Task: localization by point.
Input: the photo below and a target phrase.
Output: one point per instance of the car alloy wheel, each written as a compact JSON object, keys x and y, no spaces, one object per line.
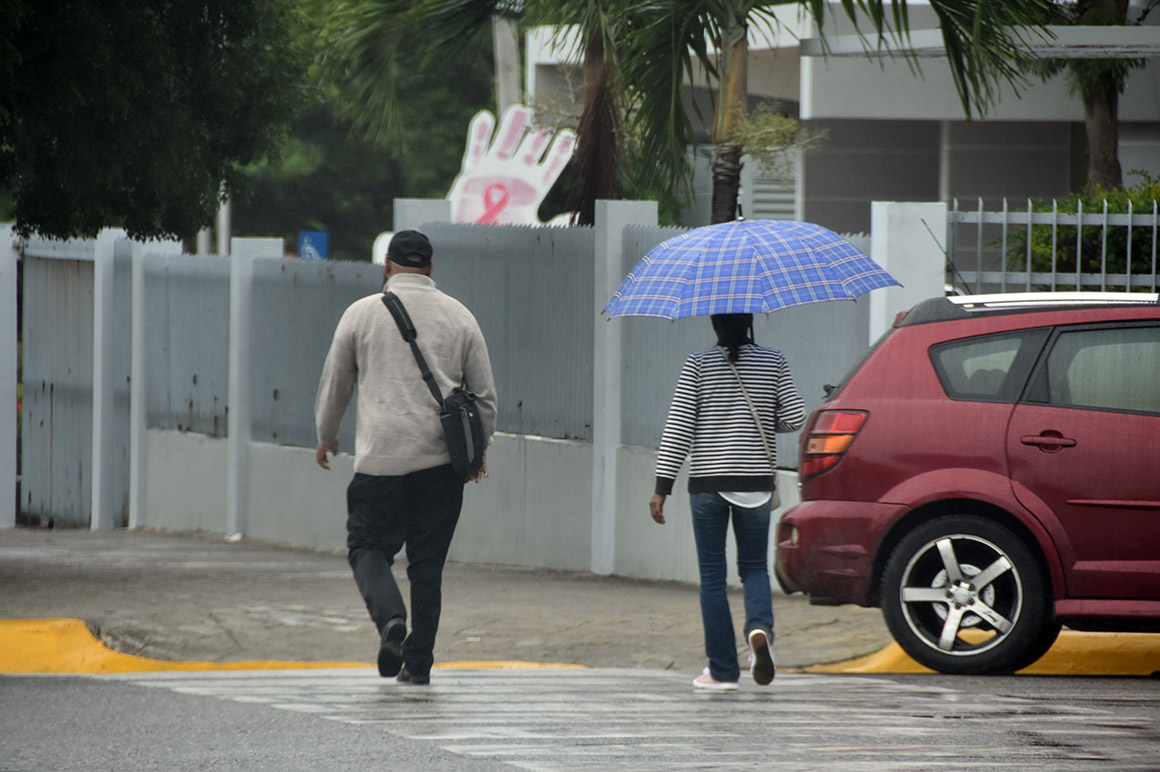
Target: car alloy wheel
{"x":962,"y":594}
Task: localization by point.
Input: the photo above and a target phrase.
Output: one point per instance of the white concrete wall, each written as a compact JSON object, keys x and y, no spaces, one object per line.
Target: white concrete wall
{"x":184,"y":482}
{"x":539,"y":508}
{"x":909,"y":243}
{"x":645,"y":550}
{"x":533,"y":511}
{"x":292,"y":500}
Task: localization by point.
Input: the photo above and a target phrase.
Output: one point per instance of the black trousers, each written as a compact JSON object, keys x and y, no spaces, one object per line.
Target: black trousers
{"x":384,"y":514}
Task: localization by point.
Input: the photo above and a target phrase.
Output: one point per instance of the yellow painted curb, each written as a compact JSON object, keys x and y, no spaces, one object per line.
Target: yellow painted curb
{"x":508,"y":664}
{"x":1075,"y":653}
{"x":68,"y":646}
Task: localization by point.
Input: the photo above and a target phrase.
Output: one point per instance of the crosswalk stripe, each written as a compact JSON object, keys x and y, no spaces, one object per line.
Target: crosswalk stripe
{"x":571,"y":719}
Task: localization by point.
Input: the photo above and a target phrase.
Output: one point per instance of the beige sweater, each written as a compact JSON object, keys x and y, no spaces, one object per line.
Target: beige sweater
{"x":398,"y":429}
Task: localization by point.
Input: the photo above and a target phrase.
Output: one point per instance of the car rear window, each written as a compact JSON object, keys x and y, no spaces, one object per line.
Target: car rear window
{"x":988,"y":368}
{"x":1110,"y":369}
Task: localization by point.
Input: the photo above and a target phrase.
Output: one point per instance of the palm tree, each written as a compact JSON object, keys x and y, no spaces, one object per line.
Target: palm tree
{"x":1099,"y":83}
{"x":981,"y":46}
{"x":597,"y":159}
{"x":367,"y":42}
{"x":637,"y":56}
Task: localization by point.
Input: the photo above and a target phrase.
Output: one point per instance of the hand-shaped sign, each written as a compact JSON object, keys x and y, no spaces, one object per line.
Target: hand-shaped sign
{"x":504,"y":179}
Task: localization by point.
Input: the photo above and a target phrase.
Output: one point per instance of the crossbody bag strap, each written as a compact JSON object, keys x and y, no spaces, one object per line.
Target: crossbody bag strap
{"x":407,"y":328}
{"x":753,"y":410}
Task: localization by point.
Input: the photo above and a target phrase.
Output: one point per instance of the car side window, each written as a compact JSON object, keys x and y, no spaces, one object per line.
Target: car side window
{"x":989,"y":368}
{"x":1106,"y":369}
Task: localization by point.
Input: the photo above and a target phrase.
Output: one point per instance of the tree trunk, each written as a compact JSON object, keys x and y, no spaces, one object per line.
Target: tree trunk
{"x":734,"y":80}
{"x":726,"y":168}
{"x":595,"y":164}
{"x":1101,"y":119}
{"x":726,"y":160}
{"x":1101,"y":101}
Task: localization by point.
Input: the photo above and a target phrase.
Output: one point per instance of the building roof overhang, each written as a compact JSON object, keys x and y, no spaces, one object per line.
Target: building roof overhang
{"x":1052,"y":42}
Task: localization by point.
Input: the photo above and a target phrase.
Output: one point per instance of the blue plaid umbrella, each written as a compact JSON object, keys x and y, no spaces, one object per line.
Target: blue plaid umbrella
{"x":746,"y":266}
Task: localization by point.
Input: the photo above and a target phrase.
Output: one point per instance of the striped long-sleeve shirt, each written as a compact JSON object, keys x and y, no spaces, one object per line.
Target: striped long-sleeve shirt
{"x":710,"y":421}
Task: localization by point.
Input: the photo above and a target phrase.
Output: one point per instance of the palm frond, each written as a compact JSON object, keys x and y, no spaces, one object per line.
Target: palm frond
{"x":362,"y":55}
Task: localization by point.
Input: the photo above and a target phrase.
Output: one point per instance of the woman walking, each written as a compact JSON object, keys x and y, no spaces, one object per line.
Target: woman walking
{"x":729,"y":401}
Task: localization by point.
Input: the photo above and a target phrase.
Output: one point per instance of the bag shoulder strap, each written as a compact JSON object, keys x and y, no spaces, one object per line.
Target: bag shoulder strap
{"x":407,"y":328}
{"x":753,"y":410}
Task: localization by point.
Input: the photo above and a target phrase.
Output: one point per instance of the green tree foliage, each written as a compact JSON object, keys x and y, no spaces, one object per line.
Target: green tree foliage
{"x":344,"y":164}
{"x":1059,"y":250}
{"x":135,"y":112}
{"x":381,"y":67}
{"x":324,"y":180}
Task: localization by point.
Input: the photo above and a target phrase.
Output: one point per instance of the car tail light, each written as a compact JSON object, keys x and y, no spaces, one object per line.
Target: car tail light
{"x":830,"y":436}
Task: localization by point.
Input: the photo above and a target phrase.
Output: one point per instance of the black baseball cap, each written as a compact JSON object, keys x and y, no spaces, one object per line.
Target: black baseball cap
{"x":410,"y":248}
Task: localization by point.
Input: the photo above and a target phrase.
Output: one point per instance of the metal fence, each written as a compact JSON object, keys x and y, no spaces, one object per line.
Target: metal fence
{"x":532,"y":290}
{"x":57,"y":368}
{"x":1023,"y":250}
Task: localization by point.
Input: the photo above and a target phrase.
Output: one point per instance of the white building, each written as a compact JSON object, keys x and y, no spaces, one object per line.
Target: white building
{"x":892,"y":134}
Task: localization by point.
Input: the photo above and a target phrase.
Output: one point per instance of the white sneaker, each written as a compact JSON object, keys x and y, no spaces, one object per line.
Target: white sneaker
{"x":707,"y":683}
{"x":761,"y":665}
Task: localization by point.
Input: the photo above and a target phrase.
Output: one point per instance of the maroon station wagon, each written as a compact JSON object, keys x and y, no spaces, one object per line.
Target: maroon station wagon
{"x":989,"y":472}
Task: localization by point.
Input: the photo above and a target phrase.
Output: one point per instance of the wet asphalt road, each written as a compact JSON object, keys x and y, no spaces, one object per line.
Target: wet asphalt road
{"x":189,"y":598}
{"x":565,"y":720}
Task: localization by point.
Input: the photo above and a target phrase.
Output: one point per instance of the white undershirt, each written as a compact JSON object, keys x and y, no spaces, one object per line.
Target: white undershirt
{"x":747,"y":499}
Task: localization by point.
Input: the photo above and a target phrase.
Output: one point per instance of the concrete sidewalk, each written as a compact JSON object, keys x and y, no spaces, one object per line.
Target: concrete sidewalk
{"x":202,"y":601}
{"x":186,"y":597}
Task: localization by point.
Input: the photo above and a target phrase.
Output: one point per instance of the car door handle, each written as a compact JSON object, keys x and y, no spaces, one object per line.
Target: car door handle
{"x":1048,"y":442}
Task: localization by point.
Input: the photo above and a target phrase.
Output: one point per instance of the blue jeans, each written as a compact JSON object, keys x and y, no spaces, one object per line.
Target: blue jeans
{"x":711,"y":516}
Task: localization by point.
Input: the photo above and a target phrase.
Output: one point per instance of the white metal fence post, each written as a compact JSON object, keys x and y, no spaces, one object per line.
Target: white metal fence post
{"x":607,"y":368}
{"x":9,"y":419}
{"x":104,"y":468}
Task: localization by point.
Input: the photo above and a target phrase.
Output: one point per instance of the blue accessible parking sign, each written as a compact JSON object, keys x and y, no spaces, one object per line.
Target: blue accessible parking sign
{"x":313,"y":245}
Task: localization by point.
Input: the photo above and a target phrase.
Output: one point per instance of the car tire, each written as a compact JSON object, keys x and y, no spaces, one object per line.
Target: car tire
{"x":1039,"y":646}
{"x":964,"y":595}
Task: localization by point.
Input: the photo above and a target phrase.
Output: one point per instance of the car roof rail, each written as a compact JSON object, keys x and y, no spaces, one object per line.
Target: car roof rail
{"x":1048,"y":299}
{"x":942,"y":309}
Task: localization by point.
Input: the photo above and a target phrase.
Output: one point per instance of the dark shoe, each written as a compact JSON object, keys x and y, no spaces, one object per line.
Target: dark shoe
{"x":761,"y":665}
{"x":407,"y":677}
{"x":391,"y":647}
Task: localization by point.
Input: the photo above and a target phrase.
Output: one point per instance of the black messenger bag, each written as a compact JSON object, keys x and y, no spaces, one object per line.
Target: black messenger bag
{"x":462,"y":428}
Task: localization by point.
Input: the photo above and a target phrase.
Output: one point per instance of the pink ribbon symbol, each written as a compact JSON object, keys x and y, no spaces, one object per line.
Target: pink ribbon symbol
{"x":495,"y":200}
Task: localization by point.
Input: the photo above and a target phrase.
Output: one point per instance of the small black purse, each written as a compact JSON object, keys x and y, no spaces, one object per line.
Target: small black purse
{"x":462,"y":428}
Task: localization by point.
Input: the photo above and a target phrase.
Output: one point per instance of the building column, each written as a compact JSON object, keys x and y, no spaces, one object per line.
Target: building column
{"x":105,"y":469}
{"x":908,"y":241}
{"x":242,"y":255}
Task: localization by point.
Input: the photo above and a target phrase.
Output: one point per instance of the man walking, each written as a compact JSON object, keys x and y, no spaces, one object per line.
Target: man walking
{"x":404,"y":491}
